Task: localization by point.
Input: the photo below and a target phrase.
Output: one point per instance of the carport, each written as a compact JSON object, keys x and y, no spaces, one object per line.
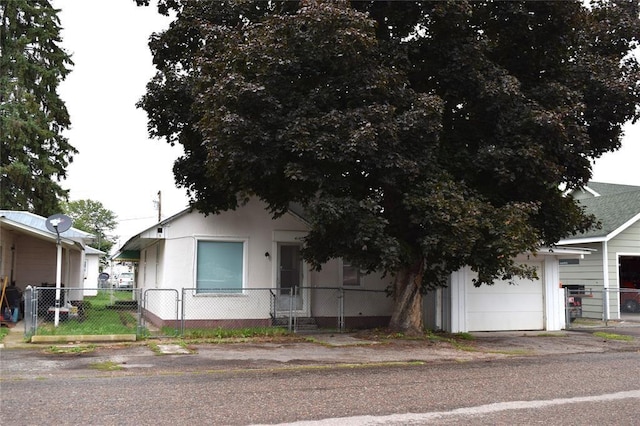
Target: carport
{"x":28,"y":252}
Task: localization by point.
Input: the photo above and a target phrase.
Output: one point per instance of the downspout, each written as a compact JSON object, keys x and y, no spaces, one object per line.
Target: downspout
{"x":605,"y":280}
{"x":13,"y":260}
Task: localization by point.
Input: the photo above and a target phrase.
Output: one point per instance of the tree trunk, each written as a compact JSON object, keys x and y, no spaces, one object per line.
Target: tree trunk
{"x":407,"y":308}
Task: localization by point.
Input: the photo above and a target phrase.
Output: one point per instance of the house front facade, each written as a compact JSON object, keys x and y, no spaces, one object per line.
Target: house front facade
{"x":244,"y":268}
{"x":615,"y":261}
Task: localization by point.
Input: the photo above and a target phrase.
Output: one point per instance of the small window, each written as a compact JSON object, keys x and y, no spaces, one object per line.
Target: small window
{"x":219,"y":267}
{"x":569,"y":261}
{"x":351,"y":275}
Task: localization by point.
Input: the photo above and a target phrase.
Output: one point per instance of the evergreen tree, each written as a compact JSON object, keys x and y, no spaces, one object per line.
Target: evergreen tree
{"x":33,"y":153}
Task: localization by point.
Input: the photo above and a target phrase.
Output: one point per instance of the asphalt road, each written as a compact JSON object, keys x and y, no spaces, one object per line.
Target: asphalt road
{"x":574,"y":389}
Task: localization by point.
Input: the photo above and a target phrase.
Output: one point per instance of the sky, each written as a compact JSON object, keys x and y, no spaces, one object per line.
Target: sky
{"x":118,"y":164}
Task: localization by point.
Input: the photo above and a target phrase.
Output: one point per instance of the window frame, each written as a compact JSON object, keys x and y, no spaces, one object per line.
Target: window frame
{"x":359,"y":275}
{"x":243,"y":277}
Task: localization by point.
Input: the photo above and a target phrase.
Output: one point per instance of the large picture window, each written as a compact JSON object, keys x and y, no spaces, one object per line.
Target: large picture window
{"x":220,"y":267}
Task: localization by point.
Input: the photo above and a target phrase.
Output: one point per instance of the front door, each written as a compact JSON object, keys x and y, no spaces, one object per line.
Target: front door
{"x":290,"y":277}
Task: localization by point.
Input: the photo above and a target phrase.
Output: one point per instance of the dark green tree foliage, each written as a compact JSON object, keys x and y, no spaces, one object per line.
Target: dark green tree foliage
{"x":92,"y":217}
{"x":419,"y":136}
{"x":33,"y":153}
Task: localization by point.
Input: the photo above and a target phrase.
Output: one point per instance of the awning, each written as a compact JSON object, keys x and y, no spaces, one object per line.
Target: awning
{"x":127,"y":256}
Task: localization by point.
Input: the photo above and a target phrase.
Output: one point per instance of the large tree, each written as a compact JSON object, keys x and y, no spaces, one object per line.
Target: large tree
{"x":33,"y":153}
{"x":419,"y":136}
{"x":93,"y":217}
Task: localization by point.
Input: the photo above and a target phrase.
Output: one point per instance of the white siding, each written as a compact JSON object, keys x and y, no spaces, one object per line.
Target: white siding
{"x":176,"y":269}
{"x":505,"y":306}
{"x":528,"y":305}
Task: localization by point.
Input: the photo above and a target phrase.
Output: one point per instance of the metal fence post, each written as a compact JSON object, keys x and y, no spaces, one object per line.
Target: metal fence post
{"x":182,"y":314}
{"x":140,"y":299}
{"x":567,"y":312}
{"x":291,"y":296}
{"x":605,"y":311}
{"x":341,"y":324}
{"x":30,"y":310}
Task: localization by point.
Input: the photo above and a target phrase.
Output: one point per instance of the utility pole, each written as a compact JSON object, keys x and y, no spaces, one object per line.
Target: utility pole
{"x":159,"y":206}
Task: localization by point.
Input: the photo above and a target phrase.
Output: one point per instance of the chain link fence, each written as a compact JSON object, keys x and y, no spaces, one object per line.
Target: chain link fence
{"x":592,"y":305}
{"x":190,"y":311}
{"x":81,"y":311}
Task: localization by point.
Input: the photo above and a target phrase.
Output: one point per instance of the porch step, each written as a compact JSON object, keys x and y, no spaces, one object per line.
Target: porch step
{"x":302,"y":323}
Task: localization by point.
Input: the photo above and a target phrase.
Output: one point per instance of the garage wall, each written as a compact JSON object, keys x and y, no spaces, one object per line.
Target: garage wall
{"x":506,"y":306}
{"x":524,"y":305}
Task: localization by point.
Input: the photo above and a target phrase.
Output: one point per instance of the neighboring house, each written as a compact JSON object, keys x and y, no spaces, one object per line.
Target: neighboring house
{"x":241,"y":268}
{"x":91,"y":270}
{"x":28,"y":253}
{"x":615,"y":261}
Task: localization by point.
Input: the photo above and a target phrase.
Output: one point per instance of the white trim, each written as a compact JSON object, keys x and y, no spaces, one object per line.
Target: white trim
{"x":605,"y":278}
{"x":583,"y":240}
{"x":562,"y":251}
{"x":622,"y":228}
{"x":289,"y":236}
{"x":360,"y":275}
{"x":458,"y":301}
{"x":245,"y":258}
{"x":594,"y":193}
{"x":605,"y":238}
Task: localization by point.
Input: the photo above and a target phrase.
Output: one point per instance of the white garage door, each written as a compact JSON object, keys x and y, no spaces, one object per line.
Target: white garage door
{"x":505,"y":306}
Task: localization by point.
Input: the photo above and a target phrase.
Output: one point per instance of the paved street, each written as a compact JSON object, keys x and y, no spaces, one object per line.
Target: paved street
{"x":596,"y":383}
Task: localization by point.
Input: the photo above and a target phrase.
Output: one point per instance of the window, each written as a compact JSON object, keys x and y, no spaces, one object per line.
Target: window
{"x":350,"y":275}
{"x":219,"y":267}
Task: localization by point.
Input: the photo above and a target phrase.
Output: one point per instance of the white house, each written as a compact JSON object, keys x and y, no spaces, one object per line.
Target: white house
{"x":243,"y":268}
{"x":91,"y":270}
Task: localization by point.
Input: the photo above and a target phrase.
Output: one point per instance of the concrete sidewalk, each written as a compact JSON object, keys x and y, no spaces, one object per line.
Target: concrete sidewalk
{"x":364,"y":346}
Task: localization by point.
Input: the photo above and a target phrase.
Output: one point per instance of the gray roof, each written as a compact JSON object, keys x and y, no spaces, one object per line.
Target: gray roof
{"x":613,"y":210}
{"x":91,"y":250}
{"x":611,"y":188}
{"x":38,"y":222}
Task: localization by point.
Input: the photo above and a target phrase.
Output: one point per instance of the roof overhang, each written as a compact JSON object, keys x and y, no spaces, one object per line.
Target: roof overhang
{"x":558,"y":251}
{"x":36,"y":233}
{"x":126,"y":256}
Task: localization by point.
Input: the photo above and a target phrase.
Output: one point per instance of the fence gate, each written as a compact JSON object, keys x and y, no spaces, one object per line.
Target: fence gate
{"x":602,"y":307}
{"x":160,"y":313}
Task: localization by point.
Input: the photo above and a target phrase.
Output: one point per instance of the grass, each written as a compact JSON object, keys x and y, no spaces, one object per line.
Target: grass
{"x":613,"y":336}
{"x":106,"y":366}
{"x":243,"y":333}
{"x":99,"y":318}
{"x":71,"y":350}
{"x":3,"y":332}
{"x":551,"y":335}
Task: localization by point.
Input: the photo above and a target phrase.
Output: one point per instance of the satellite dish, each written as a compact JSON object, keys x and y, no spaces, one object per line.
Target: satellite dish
{"x":58,"y":223}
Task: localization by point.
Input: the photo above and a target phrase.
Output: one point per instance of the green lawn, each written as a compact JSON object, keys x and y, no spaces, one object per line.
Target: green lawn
{"x":99,"y":317}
